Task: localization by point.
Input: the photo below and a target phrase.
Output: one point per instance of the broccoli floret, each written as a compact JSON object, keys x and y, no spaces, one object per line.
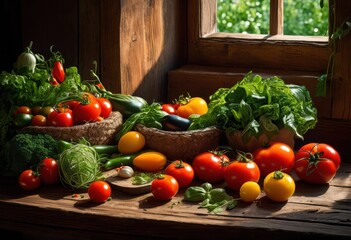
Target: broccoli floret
{"x":27,"y":150}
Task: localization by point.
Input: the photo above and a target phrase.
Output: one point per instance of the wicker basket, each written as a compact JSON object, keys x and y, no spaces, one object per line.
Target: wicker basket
{"x":235,"y":141}
{"x":103,"y":132}
{"x":182,"y":145}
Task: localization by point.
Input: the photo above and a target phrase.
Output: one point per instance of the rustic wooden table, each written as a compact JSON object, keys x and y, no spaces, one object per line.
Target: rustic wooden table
{"x":314,"y":212}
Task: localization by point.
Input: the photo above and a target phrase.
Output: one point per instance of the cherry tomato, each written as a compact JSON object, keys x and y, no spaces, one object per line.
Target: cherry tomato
{"x":317,"y":163}
{"x":99,"y":191}
{"x":210,"y":166}
{"x":58,"y":71}
{"x":87,"y":111}
{"x":24,"y":110}
{"x":181,"y":171}
{"x":29,"y":180}
{"x":164,"y":188}
{"x":22,"y":119}
{"x":106,"y":107}
{"x":277,"y":156}
{"x":36,"y":110}
{"x":38,"y":120}
{"x":240,"y":171}
{"x":131,"y":142}
{"x":168,"y":108}
{"x":195,"y":105}
{"x":49,"y":172}
{"x":45,"y":111}
{"x":279,"y":186}
{"x":249,"y":191}
{"x":61,"y":117}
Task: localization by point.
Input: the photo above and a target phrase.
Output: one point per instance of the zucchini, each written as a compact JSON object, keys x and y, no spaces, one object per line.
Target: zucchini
{"x":105,"y":149}
{"x":100,"y":149}
{"x":120,"y":160}
{"x":123,"y":103}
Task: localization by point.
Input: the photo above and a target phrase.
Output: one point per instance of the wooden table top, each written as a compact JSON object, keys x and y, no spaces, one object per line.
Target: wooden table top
{"x":313,"y":212}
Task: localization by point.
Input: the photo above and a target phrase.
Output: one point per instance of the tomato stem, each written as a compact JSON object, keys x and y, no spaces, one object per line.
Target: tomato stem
{"x":278,"y":175}
{"x":244,"y":157}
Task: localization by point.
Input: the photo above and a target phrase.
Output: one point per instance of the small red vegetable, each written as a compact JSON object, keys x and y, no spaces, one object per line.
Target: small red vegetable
{"x":210,"y":166}
{"x":29,"y":180}
{"x":49,"y":173}
{"x":164,"y":188}
{"x":99,"y":191}
{"x":181,"y":171}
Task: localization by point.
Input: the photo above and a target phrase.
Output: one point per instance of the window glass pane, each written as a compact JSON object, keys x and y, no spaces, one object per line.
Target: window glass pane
{"x":243,"y":16}
{"x":305,"y":17}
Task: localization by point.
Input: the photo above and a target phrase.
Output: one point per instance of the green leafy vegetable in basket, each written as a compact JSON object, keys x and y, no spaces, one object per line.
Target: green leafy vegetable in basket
{"x":257,"y":106}
{"x":149,"y":116}
{"x":79,"y":166}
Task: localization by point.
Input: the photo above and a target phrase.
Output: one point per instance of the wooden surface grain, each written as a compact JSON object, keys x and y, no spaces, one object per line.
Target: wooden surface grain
{"x":314,"y":211}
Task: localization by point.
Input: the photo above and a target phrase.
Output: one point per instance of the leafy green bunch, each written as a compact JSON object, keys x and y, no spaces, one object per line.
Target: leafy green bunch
{"x":257,"y":106}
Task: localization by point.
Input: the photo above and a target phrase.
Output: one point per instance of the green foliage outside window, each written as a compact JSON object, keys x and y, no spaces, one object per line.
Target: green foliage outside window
{"x":301,"y":17}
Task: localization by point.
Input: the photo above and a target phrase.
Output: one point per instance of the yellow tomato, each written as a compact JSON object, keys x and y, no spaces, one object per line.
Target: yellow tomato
{"x":249,"y":191}
{"x":150,"y":161}
{"x":279,"y":186}
{"x":195,"y":105}
{"x":131,"y":142}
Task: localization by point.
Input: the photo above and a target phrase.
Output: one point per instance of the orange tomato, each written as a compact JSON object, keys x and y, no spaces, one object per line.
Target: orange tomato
{"x":195,"y":105}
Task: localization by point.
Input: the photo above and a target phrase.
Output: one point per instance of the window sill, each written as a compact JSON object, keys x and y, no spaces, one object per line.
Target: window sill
{"x":269,"y":39}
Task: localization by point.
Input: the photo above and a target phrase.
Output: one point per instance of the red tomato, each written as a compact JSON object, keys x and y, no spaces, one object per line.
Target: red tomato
{"x":316,"y":163}
{"x":106,"y":107}
{"x":58,"y":72}
{"x":210,"y":166}
{"x":29,"y":180}
{"x":48,"y":170}
{"x":38,"y":120}
{"x":181,"y":171}
{"x":164,"y":188}
{"x":61,"y":117}
{"x":168,"y":108}
{"x":240,"y":171}
{"x":23,"y":109}
{"x":99,"y":191}
{"x":276,"y":157}
{"x":87,"y":111}
{"x":70,"y":104}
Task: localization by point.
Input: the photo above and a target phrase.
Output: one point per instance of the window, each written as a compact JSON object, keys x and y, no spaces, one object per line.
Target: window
{"x":288,"y":17}
{"x":207,"y":46}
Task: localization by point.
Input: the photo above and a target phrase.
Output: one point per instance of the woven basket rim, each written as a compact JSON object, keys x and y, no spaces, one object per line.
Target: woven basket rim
{"x":95,"y":132}
{"x":161,"y":131}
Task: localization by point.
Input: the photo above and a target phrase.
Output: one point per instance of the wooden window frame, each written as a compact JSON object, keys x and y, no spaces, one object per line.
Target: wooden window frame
{"x":209,"y":47}
{"x":276,"y":17}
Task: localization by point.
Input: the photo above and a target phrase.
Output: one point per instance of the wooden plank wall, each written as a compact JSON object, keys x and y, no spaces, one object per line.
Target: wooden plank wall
{"x":152,"y":42}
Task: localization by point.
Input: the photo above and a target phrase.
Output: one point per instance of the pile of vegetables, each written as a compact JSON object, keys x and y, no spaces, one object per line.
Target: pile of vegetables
{"x":254,"y":106}
{"x":37,"y":83}
{"x":257,"y":106}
